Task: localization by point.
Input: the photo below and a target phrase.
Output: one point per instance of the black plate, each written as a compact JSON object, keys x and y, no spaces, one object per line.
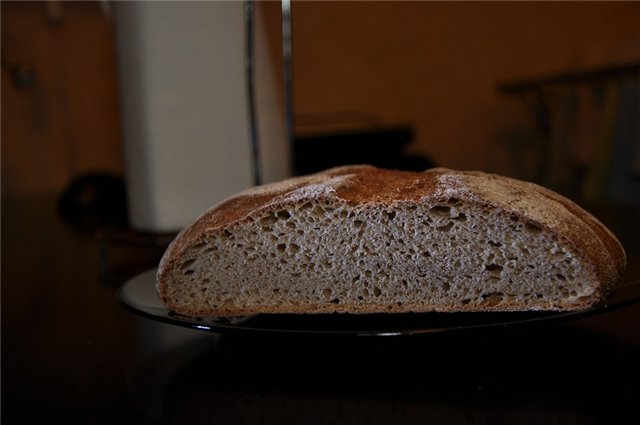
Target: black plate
{"x":139,"y":296}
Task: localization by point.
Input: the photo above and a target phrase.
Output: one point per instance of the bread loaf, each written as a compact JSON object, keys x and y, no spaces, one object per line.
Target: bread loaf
{"x":360,"y":239}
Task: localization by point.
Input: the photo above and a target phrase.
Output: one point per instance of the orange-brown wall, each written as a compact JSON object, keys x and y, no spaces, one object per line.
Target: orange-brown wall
{"x":66,"y":123}
{"x":436,"y":65}
{"x":432,"y":65}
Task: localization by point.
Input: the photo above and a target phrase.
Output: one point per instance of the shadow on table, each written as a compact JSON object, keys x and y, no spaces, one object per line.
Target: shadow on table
{"x":560,"y":374}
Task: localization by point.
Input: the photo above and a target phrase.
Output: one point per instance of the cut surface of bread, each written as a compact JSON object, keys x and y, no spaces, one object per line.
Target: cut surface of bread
{"x":360,"y":239}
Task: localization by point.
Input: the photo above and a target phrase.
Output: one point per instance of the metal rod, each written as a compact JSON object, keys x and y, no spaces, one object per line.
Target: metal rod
{"x":287,"y":76}
{"x":251,"y":96}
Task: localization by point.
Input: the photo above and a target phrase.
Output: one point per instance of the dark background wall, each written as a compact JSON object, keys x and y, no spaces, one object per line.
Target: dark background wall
{"x":433,"y":66}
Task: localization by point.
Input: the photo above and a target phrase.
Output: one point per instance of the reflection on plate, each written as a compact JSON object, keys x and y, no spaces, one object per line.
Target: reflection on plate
{"x":139,"y":296}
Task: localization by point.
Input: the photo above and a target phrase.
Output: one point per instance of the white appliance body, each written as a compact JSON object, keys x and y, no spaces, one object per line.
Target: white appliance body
{"x":185,"y":112}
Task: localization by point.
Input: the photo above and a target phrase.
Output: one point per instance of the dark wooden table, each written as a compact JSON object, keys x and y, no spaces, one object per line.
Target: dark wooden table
{"x":71,"y":354}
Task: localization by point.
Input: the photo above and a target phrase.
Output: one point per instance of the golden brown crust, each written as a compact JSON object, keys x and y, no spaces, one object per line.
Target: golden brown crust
{"x":365,"y":185}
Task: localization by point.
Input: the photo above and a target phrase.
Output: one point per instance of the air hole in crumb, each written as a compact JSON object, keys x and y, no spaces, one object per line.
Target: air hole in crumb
{"x":461,"y":217}
{"x":532,"y":228}
{"x":493,"y":298}
{"x":294,"y":248}
{"x":358,"y":223}
{"x":189,"y":272}
{"x":466,"y":301}
{"x":187,"y":264}
{"x":453,"y":201}
{"x":326,"y":292}
{"x":199,"y":245}
{"x":493,"y":268}
{"x":391,"y":215}
{"x":377,"y":292}
{"x":281,"y":247}
{"x":335,"y":301}
{"x":440,"y":210}
{"x":268,"y":220}
{"x":561,"y":277}
{"x":496,"y":244}
{"x":284,"y":214}
{"x":446,"y":227}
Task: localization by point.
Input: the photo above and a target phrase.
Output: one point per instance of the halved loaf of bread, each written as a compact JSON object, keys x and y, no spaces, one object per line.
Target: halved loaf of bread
{"x":360,"y":239}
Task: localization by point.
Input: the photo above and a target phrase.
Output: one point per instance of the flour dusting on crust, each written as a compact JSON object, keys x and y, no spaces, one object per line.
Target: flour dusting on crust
{"x":452,"y":186}
{"x":315,"y":190}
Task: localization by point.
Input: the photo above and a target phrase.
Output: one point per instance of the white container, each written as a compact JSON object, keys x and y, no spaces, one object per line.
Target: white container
{"x":184,"y":107}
